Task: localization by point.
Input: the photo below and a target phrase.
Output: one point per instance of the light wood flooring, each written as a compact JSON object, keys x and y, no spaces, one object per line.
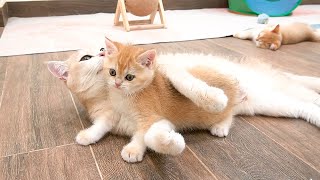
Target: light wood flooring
{"x":39,"y":120}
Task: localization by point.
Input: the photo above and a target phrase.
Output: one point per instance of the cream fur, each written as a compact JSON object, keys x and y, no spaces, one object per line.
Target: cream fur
{"x":268,"y":92}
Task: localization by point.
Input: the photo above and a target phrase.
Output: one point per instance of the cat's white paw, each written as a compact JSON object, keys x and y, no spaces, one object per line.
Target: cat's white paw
{"x":220,"y":130}
{"x":164,"y":141}
{"x":86,"y":137}
{"x":213,"y":100}
{"x":132,"y":153}
{"x":235,"y":35}
{"x":274,"y":47}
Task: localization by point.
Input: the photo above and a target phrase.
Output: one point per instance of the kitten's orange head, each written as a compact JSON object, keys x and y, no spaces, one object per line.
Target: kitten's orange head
{"x":128,"y":68}
{"x":80,"y":72}
{"x":269,"y":38}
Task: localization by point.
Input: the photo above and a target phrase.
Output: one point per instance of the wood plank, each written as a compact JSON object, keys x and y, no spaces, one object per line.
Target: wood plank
{"x":58,"y":8}
{"x":75,"y":7}
{"x":297,"y":136}
{"x":248,"y":154}
{"x":1,"y":31}
{"x":28,"y":9}
{"x":308,"y":51}
{"x":279,"y":59}
{"x":3,"y":67}
{"x":4,"y":15}
{"x":153,"y":166}
{"x":34,"y":115}
{"x":191,"y":4}
{"x":67,"y":162}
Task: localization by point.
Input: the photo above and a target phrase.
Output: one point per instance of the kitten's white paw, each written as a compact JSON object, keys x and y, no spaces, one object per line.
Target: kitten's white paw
{"x":220,"y":130}
{"x":273,"y":47}
{"x":132,"y":153}
{"x":213,"y":100}
{"x":86,"y":137}
{"x":164,"y":141}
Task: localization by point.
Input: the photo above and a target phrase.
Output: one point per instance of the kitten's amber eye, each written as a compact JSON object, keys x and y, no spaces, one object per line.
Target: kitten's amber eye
{"x":112,"y":72}
{"x":130,"y":77}
{"x":86,"y":57}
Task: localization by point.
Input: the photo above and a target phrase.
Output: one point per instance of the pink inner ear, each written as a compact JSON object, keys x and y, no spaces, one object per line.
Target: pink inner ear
{"x":58,"y":69}
{"x":110,"y":47}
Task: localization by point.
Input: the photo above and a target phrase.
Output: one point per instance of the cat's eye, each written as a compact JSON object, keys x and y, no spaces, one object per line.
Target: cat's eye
{"x":130,"y":77}
{"x":112,"y":72}
{"x":102,"y":49}
{"x":86,"y":57}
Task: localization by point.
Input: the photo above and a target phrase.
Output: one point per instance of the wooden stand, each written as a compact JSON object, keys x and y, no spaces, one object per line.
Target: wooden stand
{"x":139,"y":24}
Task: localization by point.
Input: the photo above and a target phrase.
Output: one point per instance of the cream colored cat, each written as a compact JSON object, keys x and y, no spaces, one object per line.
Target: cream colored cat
{"x":269,"y":92}
{"x":273,"y":36}
{"x":82,"y":75}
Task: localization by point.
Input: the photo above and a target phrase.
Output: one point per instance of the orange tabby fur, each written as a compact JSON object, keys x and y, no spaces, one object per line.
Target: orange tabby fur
{"x":157,"y":99}
{"x":272,"y":37}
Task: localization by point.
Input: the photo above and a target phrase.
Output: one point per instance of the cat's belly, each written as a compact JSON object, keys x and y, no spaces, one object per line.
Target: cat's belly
{"x":125,"y":126}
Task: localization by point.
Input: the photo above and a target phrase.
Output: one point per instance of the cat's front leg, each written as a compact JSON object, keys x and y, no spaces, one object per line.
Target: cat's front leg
{"x":94,"y":133}
{"x":246,"y":34}
{"x":134,"y":151}
{"x":210,"y":98}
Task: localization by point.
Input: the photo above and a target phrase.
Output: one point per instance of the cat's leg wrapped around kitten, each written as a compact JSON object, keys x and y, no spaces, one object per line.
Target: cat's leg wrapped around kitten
{"x":207,"y":97}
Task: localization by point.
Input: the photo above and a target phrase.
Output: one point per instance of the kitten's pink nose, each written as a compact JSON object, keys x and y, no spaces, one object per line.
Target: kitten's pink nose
{"x":118,"y":83}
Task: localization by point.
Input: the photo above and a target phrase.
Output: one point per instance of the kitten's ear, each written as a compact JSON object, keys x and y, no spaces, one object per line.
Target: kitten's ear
{"x":110,"y":47}
{"x":147,"y":58}
{"x":276,"y":29}
{"x":59,"y":69}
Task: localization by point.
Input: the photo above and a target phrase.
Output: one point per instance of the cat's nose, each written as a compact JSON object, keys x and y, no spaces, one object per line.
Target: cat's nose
{"x":117,"y":84}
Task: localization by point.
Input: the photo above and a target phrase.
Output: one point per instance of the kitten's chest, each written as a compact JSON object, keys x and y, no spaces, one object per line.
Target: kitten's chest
{"x":120,"y":103}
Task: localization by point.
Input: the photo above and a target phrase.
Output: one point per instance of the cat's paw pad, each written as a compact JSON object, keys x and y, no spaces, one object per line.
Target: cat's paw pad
{"x":220,"y":131}
{"x":132,"y":153}
{"x":214,"y":100}
{"x":166,"y":142}
{"x":85,"y":138}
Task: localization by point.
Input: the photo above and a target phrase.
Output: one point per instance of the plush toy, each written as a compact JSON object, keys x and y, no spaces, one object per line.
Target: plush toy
{"x":263,"y":19}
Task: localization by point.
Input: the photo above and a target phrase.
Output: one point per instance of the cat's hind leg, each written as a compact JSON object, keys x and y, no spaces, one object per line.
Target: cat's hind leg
{"x":281,"y":105}
{"x":210,"y":98}
{"x":307,"y":81}
{"x":162,"y":138}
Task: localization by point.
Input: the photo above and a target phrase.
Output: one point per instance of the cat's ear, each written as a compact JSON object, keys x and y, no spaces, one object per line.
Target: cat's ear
{"x":110,"y":47}
{"x":276,"y":29}
{"x":147,"y":58}
{"x":59,"y":69}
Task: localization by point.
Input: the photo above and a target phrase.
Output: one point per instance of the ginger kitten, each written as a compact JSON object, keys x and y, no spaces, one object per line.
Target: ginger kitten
{"x":272,"y":37}
{"x":144,"y":95}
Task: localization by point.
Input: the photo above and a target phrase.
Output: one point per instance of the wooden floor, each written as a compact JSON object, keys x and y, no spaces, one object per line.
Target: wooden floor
{"x":39,"y":119}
